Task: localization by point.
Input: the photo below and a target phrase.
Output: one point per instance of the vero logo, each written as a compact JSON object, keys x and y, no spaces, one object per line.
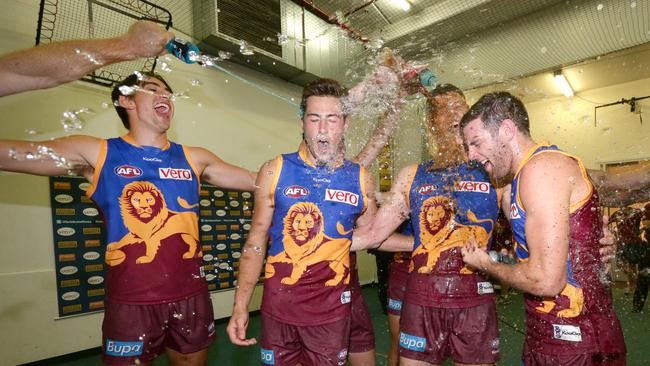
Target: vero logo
{"x":346,"y":197}
{"x":175,"y":174}
{"x":128,"y":171}
{"x":123,"y":349}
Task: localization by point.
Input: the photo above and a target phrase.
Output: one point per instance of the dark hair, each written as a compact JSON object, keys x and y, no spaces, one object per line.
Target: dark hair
{"x":444,"y":89}
{"x":131,"y":80}
{"x":495,"y":107}
{"x":321,"y":88}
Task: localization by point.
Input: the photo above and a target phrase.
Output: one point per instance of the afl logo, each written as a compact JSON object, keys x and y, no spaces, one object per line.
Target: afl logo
{"x":128,"y":171}
{"x":296,"y":191}
{"x":426,"y":188}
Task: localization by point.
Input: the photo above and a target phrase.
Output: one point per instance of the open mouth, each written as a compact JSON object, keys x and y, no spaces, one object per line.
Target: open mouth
{"x":323,"y":144}
{"x":162,"y":108}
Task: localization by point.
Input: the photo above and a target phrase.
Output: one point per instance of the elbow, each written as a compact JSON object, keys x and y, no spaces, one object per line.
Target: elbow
{"x":550,"y":287}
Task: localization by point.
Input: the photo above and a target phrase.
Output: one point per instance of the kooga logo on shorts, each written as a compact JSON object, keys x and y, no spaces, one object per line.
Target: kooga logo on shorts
{"x":412,"y":342}
{"x":123,"y":349}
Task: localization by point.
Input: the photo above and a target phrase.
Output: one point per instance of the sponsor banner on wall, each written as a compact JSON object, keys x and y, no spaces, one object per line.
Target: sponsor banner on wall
{"x":80,"y":241}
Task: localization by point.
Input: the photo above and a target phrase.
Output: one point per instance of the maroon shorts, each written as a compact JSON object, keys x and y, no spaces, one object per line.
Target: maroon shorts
{"x":467,"y":335}
{"x":140,"y":333}
{"x":397,"y":281}
{"x":362,"y":336}
{"x":288,"y":345}
{"x":532,"y":358}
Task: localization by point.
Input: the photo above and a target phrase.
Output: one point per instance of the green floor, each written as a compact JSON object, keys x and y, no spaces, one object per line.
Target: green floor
{"x":222,"y":353}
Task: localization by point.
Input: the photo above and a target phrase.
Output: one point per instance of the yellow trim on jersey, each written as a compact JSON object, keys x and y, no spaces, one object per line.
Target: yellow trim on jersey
{"x":131,"y":141}
{"x":362,"y":184}
{"x":99,"y":165}
{"x":191,"y":163}
{"x":276,"y":178}
{"x":302,"y":153}
{"x":414,"y":168}
{"x":527,"y":157}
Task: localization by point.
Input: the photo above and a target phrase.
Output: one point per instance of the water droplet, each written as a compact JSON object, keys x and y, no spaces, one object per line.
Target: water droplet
{"x":543,"y":49}
{"x":196,"y":82}
{"x":600,"y":7}
{"x":104,"y":105}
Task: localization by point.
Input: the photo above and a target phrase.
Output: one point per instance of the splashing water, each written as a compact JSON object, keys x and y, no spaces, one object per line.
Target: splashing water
{"x":244,"y":48}
{"x":282,"y":39}
{"x":42,"y":152}
{"x":71,"y":120}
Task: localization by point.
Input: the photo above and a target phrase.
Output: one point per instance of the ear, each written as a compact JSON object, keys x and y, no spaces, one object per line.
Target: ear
{"x":126,"y":102}
{"x":508,"y":129}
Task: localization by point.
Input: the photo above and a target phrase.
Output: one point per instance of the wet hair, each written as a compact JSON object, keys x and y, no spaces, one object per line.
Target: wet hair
{"x":495,"y":107}
{"x":131,"y":80}
{"x":444,"y":89}
{"x":321,"y":88}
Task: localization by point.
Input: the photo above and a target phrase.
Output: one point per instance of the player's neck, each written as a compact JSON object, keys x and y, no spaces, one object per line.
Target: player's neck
{"x":522,"y":148}
{"x":146,"y":138}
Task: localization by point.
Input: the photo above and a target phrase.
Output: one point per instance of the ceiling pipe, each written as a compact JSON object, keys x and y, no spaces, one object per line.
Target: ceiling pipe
{"x":332,"y":20}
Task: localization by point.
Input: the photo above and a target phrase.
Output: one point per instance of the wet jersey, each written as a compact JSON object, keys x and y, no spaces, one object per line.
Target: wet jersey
{"x":448,"y":206}
{"x":581,"y":316}
{"x":149,"y":200}
{"x":307,"y":270}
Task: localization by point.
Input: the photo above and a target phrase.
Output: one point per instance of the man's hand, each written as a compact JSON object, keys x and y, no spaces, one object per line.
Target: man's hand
{"x":607,"y":246}
{"x":474,"y":255}
{"x":147,"y":39}
{"x":237,"y":328}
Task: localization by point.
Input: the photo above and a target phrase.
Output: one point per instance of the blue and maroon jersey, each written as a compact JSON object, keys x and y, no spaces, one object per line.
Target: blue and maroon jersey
{"x":448,"y":206}
{"x":307,"y":271}
{"x":581,"y":318}
{"x":149,"y":200}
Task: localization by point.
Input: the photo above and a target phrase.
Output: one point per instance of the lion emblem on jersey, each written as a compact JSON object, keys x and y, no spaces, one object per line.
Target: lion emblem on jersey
{"x":439,"y":231}
{"x":305,"y":244}
{"x":146,"y":216}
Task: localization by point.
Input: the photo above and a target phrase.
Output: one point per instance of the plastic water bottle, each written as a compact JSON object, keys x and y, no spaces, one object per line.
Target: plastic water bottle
{"x":183,"y":50}
{"x":499,"y":257}
{"x":428,"y":79}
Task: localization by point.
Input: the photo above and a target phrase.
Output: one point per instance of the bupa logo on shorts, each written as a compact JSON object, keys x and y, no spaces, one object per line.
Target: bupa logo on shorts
{"x":395,"y":304}
{"x":346,"y":297}
{"x":514,"y":212}
{"x":123,"y":349}
{"x":296,"y":191}
{"x":470,"y":186}
{"x":337,"y":195}
{"x":267,"y":356}
{"x":128,"y":171}
{"x":427,"y":188}
{"x":211,"y":329}
{"x":412,"y":342}
{"x":175,"y":174}
{"x":569,"y":333}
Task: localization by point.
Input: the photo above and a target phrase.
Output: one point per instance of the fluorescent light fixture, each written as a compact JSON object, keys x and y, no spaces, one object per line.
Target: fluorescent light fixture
{"x":563,"y":84}
{"x":403,"y":4}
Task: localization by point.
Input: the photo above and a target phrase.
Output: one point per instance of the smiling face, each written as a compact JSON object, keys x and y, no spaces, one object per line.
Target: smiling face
{"x":323,"y":127}
{"x":487,"y":147}
{"x":150,"y":105}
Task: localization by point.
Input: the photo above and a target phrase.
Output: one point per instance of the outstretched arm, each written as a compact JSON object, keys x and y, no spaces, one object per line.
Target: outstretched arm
{"x":49,"y":65}
{"x":391,"y":214}
{"x":382,"y":133}
{"x":216,"y":171}
{"x":77,"y":154}
{"x":253,"y":254}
